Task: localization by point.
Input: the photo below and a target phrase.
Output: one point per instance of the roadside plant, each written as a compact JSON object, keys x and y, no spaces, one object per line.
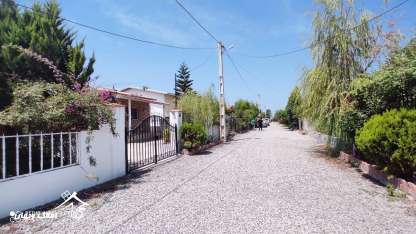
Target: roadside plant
{"x":200,"y":109}
{"x":388,"y":140}
{"x":294,"y":108}
{"x":393,"y":86}
{"x":244,"y":112}
{"x":339,"y":55}
{"x":281,"y":116}
{"x":193,"y":135}
{"x":51,"y":107}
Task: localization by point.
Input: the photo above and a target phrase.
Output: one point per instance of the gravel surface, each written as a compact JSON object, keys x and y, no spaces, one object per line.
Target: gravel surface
{"x":273,"y":181}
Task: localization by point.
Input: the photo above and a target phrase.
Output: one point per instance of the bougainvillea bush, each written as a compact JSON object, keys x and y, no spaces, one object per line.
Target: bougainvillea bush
{"x":53,"y":107}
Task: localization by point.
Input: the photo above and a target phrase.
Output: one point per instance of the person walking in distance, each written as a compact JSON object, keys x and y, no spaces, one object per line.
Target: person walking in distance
{"x":260,"y":123}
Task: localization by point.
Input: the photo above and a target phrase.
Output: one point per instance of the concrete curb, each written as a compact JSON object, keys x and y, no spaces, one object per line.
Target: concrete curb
{"x":199,"y":150}
{"x":371,"y":170}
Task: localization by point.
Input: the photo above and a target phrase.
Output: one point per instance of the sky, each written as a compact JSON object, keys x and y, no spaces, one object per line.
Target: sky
{"x":246,"y":27}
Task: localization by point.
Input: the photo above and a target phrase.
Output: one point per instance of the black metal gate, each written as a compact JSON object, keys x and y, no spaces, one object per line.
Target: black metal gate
{"x":154,"y":139}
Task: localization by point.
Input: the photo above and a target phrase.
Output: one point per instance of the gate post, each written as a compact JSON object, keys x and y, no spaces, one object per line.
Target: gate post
{"x":126,"y":149}
{"x":155,"y":138}
{"x":175,"y":119}
{"x":176,"y":139}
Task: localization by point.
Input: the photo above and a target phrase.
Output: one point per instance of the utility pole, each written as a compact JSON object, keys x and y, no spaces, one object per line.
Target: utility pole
{"x":223,"y":130}
{"x":176,"y":94}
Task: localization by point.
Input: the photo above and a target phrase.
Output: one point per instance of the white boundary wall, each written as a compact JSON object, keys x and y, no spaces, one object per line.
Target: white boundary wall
{"x":33,"y":190}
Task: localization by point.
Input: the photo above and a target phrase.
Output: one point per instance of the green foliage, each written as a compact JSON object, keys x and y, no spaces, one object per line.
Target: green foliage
{"x":391,"y":87}
{"x":193,"y":135}
{"x":200,"y":109}
{"x":39,"y":32}
{"x":351,"y":120}
{"x":50,"y":107}
{"x":244,"y":112}
{"x":166,"y":135}
{"x":340,"y":56}
{"x":294,"y":108}
{"x":388,"y":140}
{"x":390,"y":190}
{"x":281,"y":116}
{"x":268,"y":113}
{"x":183,"y":81}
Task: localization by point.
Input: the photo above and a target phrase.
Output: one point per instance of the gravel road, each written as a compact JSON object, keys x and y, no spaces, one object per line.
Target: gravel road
{"x":272,"y":181}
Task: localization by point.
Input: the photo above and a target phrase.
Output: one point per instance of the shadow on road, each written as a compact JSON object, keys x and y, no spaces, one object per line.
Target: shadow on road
{"x":247,"y":138}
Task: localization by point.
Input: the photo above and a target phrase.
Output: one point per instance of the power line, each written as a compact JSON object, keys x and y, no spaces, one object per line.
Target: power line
{"x":197,"y":22}
{"x":236,"y":69}
{"x":118,"y":34}
{"x":347,"y":29}
{"x":196,"y":67}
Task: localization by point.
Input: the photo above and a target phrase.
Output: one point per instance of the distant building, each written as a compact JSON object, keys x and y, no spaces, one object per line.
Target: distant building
{"x":142,"y":102}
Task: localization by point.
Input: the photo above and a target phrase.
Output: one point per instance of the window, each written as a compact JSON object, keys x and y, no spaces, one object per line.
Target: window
{"x":134,"y":113}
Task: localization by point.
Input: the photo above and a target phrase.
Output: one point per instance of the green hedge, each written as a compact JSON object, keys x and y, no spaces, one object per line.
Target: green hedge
{"x":389,"y":141}
{"x":193,"y":135}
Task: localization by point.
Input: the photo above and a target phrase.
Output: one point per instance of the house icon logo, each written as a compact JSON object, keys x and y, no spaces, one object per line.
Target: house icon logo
{"x":76,"y":212}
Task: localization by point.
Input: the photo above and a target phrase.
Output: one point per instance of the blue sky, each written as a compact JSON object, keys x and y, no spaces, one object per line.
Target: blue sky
{"x":253,"y":27}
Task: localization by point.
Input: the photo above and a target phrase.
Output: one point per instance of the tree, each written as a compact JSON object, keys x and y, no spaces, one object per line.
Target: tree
{"x":280,"y":116}
{"x":268,"y":113}
{"x":342,"y":49}
{"x":183,"y":81}
{"x":200,"y":109}
{"x":393,"y":86}
{"x":244,"y":112}
{"x":35,"y":45}
{"x":293,"y":108}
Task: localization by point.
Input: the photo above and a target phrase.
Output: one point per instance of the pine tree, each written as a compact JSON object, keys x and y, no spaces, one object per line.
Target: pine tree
{"x":183,"y":81}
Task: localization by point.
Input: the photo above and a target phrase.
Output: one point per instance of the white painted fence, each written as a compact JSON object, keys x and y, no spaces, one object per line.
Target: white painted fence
{"x":34,"y":153}
{"x":29,"y":190}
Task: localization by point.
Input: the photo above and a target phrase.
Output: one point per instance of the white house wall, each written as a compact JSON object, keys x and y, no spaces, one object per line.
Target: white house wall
{"x":33,"y":190}
{"x":156,"y":109}
{"x":160,"y":97}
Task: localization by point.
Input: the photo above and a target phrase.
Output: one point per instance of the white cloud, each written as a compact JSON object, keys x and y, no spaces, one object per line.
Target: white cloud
{"x":152,"y":26}
{"x":152,"y":30}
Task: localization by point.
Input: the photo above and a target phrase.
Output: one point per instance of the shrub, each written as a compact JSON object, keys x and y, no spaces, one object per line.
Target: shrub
{"x":244,"y":112}
{"x":351,"y":121}
{"x":281,"y":116}
{"x":49,"y":107}
{"x":193,"y":135}
{"x":388,"y":140}
{"x":202,"y":109}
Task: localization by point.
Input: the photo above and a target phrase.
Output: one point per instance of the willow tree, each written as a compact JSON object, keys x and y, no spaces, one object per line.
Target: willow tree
{"x":342,"y":49}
